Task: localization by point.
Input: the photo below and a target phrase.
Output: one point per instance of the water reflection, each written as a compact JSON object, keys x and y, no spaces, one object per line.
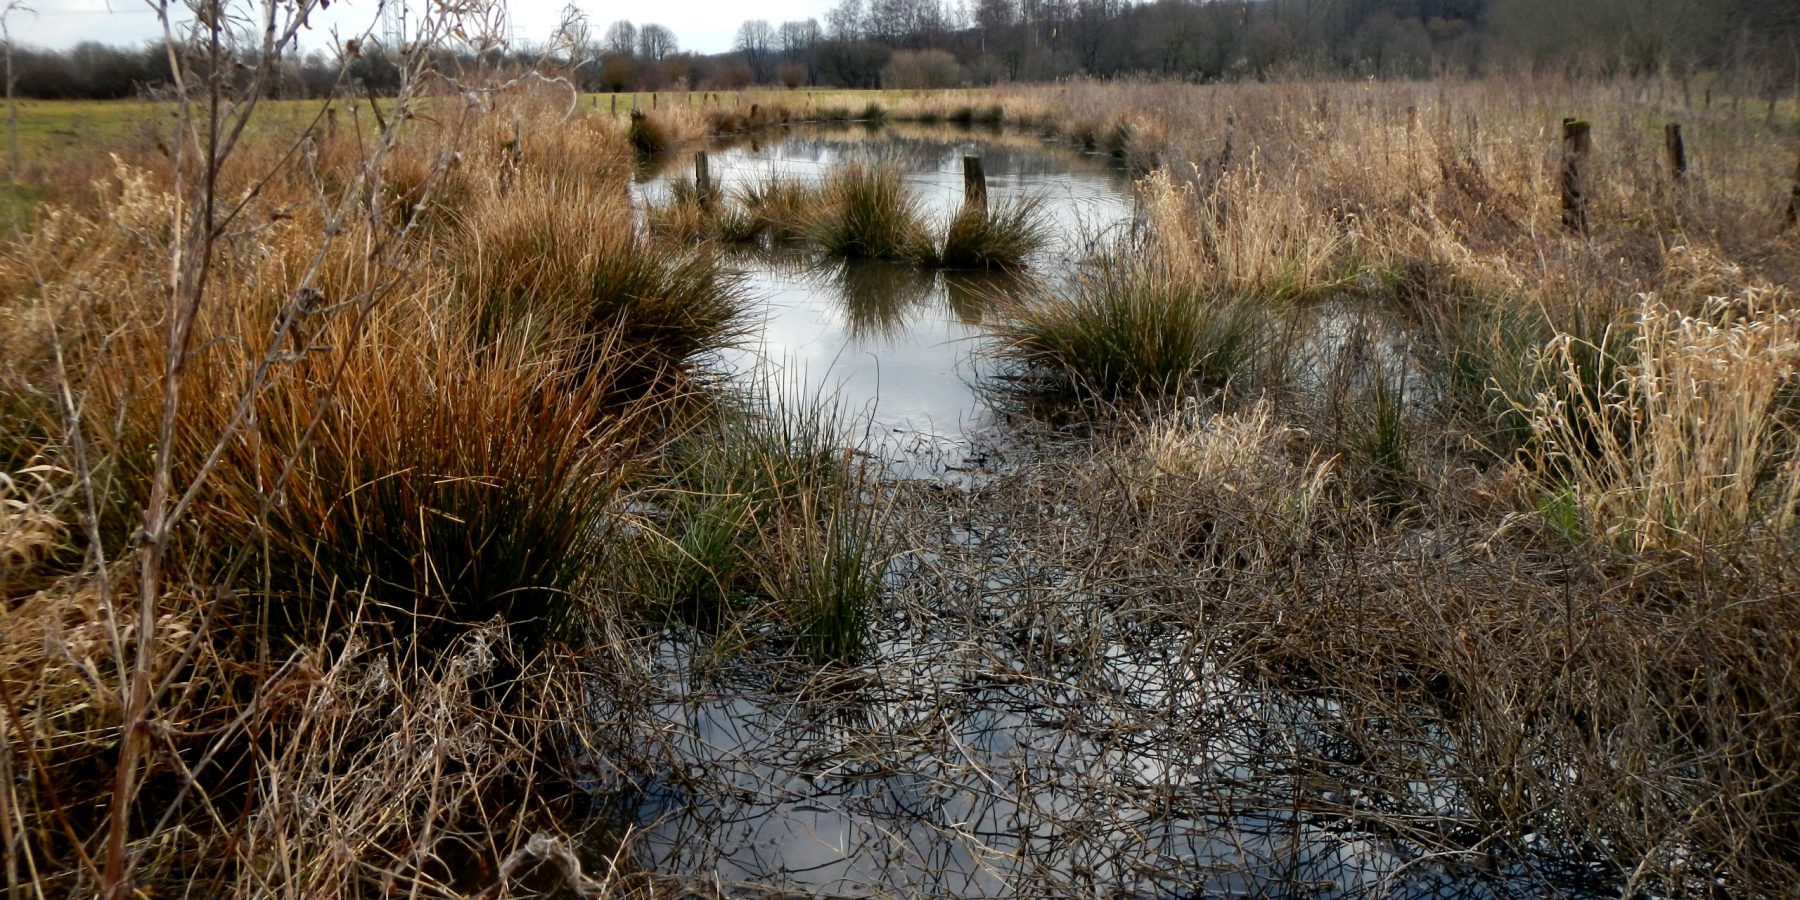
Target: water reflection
{"x":890,"y":340}
{"x":878,"y":297}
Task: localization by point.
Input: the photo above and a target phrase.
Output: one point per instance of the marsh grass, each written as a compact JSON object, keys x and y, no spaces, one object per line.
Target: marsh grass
{"x":1133,"y":325}
{"x":573,"y":267}
{"x":1574,"y":652}
{"x":783,"y":208}
{"x":1003,"y":236}
{"x":869,"y":212}
{"x":434,"y":491}
{"x":1684,"y":440}
{"x":765,"y":520}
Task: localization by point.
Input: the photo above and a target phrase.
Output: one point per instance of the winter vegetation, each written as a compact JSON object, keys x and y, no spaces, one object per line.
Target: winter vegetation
{"x":1405,"y":499}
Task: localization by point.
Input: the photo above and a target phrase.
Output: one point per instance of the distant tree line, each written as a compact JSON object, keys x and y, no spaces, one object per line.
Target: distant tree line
{"x":1754,"y":44}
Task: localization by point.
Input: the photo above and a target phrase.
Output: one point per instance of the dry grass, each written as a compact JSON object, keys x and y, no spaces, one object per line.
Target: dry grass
{"x":1560,"y":659}
{"x":388,"y":503}
{"x":1693,"y":447}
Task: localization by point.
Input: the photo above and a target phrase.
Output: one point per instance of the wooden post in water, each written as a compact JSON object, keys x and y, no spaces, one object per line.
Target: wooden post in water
{"x":975,"y":196}
{"x":1793,"y":210}
{"x":1674,"y":150}
{"x":1576,"y":144}
{"x":702,"y":180}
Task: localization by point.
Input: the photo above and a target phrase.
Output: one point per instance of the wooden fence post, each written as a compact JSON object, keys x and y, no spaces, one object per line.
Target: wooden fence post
{"x":702,"y":180}
{"x":615,"y":105}
{"x":975,"y":196}
{"x":1674,"y":150}
{"x":1793,"y":210}
{"x":1577,"y":141}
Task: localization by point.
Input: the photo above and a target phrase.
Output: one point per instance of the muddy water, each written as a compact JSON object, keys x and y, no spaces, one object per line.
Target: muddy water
{"x":893,"y":345}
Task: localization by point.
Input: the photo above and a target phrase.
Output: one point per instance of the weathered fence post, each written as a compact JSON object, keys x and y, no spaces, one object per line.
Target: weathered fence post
{"x":975,"y":196}
{"x":1576,"y":143}
{"x":652,"y":99}
{"x":702,"y":180}
{"x":1674,"y":150}
{"x":1793,"y":210}
{"x":615,"y":106}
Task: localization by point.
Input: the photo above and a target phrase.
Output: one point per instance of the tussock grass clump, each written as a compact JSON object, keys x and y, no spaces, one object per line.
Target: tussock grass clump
{"x":384,"y":514}
{"x":1004,"y":236}
{"x":764,"y":519}
{"x":784,"y":208}
{"x":442,"y":485}
{"x":869,"y":212}
{"x":726,"y":121}
{"x":648,"y":134}
{"x":572,"y":265}
{"x":1133,"y":325}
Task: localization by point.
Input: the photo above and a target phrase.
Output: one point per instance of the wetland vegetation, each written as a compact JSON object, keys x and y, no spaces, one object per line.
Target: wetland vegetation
{"x":432,"y":495}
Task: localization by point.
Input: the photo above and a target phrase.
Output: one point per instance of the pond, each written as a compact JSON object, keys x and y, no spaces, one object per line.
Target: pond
{"x":895,"y":346}
{"x":1011,"y":732}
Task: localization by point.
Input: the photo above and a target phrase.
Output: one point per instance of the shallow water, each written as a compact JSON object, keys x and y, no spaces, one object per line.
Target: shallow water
{"x":893,"y":345}
{"x":1011,"y":734}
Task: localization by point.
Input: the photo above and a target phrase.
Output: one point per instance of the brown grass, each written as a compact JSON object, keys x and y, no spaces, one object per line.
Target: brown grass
{"x":1567,"y":639}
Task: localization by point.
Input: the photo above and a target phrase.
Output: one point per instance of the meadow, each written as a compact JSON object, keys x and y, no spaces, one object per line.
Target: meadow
{"x":352,"y":483}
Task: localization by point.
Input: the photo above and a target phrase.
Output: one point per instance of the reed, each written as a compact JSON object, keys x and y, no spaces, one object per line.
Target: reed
{"x":784,"y":208}
{"x":1685,"y":438}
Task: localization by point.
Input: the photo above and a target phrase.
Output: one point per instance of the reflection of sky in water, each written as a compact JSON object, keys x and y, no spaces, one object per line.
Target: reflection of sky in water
{"x":886,"y":340}
{"x":962,"y":767}
{"x":1076,"y":755}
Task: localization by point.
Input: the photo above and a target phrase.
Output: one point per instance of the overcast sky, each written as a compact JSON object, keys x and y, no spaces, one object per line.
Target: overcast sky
{"x":706,"y":26}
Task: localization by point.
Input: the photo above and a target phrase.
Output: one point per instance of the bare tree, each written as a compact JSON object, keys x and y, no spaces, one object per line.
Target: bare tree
{"x":845,"y":20}
{"x":655,"y":42}
{"x":621,"y":38}
{"x":755,"y":39}
{"x":798,"y":38}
